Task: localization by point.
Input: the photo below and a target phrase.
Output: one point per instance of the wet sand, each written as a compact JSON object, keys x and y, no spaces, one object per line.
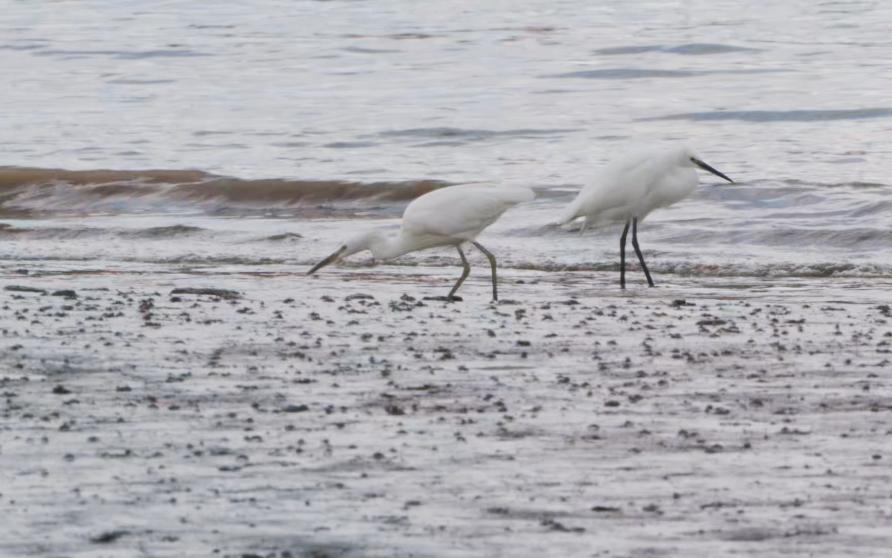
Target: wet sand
{"x":343,"y":415}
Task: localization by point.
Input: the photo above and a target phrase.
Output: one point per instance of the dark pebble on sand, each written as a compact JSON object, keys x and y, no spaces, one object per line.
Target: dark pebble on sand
{"x":408,"y":298}
{"x":605,"y":509}
{"x":221,"y":293}
{"x":359,"y":296}
{"x":295,"y":409}
{"x":108,"y":536}
{"x":23,"y":289}
{"x":67,"y":293}
{"x":554,"y":525}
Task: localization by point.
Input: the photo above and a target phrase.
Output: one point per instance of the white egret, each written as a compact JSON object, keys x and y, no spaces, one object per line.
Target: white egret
{"x":446,"y":217}
{"x":632,"y":186}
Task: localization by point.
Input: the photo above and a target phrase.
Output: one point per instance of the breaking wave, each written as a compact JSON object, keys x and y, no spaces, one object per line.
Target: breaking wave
{"x":26,"y":191}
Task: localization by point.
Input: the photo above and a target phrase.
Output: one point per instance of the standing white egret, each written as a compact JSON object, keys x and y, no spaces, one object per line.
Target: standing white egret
{"x":446,"y":217}
{"x":632,"y":186}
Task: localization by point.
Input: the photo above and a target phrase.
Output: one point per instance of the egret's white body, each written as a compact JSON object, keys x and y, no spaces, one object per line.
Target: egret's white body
{"x":632,"y":186}
{"x":445,"y":217}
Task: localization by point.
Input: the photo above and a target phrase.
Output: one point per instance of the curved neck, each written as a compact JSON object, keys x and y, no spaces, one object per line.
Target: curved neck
{"x":390,"y":246}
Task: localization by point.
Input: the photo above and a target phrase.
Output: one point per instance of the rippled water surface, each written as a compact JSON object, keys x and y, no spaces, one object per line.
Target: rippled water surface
{"x":790,"y":99}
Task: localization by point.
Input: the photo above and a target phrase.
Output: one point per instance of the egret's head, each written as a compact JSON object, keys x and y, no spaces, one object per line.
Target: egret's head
{"x":688,"y":158}
{"x":684,"y":155}
{"x":356,"y":244}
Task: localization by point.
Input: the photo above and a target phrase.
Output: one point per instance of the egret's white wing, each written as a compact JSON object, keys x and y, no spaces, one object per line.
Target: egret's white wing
{"x":461,"y":211}
{"x":616,"y":189}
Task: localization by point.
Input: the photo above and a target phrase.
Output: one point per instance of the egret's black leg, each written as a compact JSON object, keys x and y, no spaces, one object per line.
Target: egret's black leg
{"x":622,"y":256}
{"x":638,"y":251}
{"x":492,"y":264}
{"x":464,"y":273}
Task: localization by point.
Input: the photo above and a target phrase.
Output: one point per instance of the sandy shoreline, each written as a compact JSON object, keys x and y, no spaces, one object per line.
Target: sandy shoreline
{"x":343,"y":415}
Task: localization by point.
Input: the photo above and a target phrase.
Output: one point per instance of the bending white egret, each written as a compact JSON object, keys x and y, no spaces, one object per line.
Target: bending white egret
{"x":628,"y":189}
{"x":446,"y":217}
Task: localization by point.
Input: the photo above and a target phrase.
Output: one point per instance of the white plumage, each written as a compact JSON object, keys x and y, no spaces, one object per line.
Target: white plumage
{"x":460,"y":212}
{"x":631,"y":187}
{"x":445,"y":217}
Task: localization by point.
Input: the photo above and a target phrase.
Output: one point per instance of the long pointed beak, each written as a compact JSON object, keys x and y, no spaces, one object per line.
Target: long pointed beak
{"x":708,"y":168}
{"x":330,"y":259}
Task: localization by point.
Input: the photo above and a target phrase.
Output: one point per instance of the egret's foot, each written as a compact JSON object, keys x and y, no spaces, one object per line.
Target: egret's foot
{"x":444,"y":298}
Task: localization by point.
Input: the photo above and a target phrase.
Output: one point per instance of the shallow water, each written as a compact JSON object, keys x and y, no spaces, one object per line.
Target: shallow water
{"x":308,"y":105}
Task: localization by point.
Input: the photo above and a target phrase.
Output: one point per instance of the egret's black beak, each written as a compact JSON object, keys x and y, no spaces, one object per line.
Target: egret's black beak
{"x":330,"y":259}
{"x":708,"y":168}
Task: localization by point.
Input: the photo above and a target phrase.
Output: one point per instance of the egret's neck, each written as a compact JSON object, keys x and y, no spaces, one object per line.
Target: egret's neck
{"x":390,"y":246}
{"x":681,"y":185}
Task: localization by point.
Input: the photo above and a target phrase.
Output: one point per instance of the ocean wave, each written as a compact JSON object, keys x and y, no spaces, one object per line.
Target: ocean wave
{"x":765,"y":116}
{"x":645,"y":73}
{"x":171,"y":231}
{"x":628,"y":73}
{"x":785,"y":236}
{"x":121,"y":54}
{"x":55,"y":191}
{"x":73,"y":233}
{"x":461,"y":135}
{"x":284,"y":237}
{"x":687,"y":49}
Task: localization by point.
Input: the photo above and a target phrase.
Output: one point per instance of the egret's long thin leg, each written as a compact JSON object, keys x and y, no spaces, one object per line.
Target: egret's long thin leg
{"x":622,"y":256}
{"x":638,"y":251}
{"x":464,"y":274}
{"x":492,"y":264}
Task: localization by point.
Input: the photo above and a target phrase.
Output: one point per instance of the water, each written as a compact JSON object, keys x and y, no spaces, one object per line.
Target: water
{"x":295,"y":99}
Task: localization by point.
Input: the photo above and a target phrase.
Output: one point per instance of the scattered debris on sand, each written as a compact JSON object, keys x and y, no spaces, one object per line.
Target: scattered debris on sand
{"x":274,"y":416}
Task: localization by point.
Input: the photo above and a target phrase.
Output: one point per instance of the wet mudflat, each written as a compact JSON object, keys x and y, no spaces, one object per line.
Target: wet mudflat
{"x":344,"y":415}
